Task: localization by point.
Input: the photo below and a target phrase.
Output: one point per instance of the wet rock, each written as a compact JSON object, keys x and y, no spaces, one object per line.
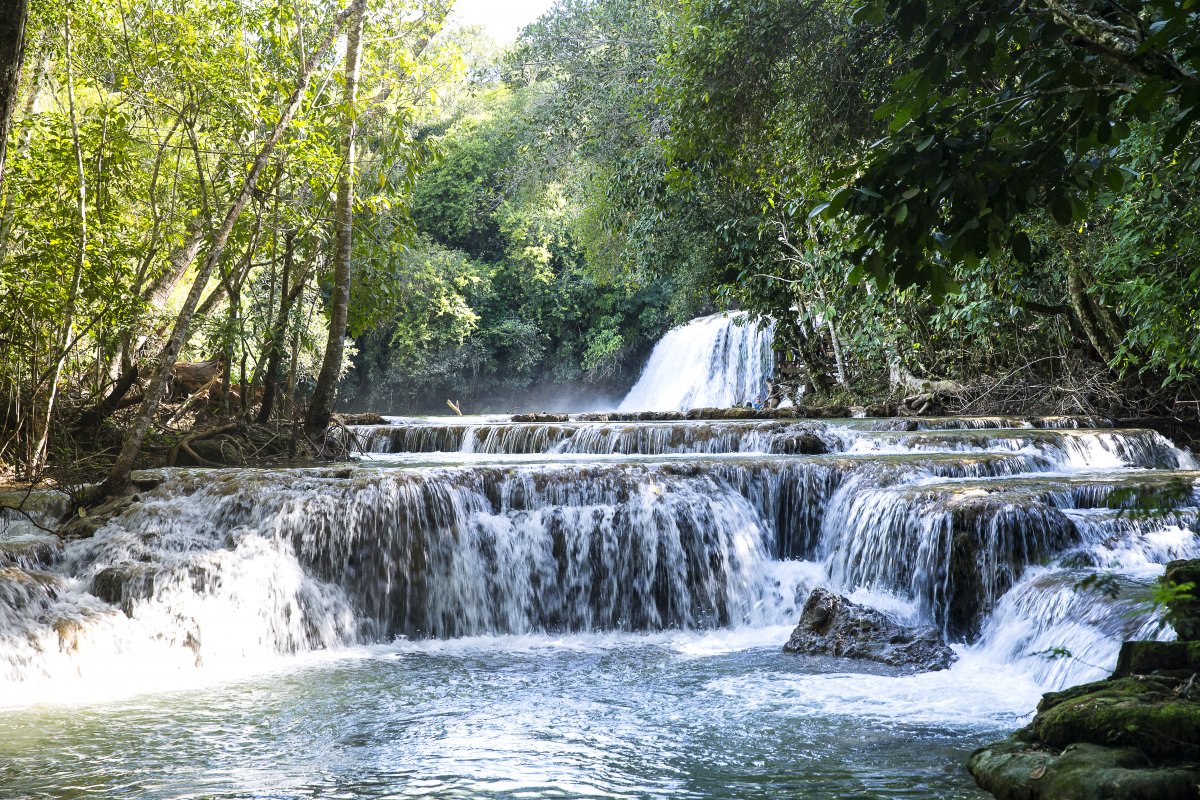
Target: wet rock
{"x":541,"y":417}
{"x":805,"y":444}
{"x":1184,"y":611}
{"x":145,"y":480}
{"x":1021,"y":770}
{"x":86,"y":525}
{"x":120,"y":584}
{"x":29,"y":550}
{"x":723,"y":413}
{"x":69,"y":630}
{"x":1155,"y":715}
{"x":832,"y":625}
{"x":1147,"y":658}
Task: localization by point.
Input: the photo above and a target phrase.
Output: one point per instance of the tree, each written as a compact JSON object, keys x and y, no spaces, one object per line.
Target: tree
{"x":1009,"y":109}
{"x":320,"y":407}
{"x":118,"y":478}
{"x":12,"y":50}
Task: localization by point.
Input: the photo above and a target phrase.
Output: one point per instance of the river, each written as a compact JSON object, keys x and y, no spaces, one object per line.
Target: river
{"x":482,"y":608}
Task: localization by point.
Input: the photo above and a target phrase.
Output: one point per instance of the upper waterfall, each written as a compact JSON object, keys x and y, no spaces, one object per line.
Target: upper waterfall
{"x":718,"y":361}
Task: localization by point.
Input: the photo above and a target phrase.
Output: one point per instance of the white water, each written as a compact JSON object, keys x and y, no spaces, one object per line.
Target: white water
{"x":219,"y":574}
{"x":719,"y":361}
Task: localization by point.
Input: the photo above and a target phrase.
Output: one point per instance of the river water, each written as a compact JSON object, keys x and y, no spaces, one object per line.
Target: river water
{"x":478,"y":608}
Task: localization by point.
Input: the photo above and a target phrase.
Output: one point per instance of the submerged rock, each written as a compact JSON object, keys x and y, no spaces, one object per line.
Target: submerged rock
{"x":832,"y":625}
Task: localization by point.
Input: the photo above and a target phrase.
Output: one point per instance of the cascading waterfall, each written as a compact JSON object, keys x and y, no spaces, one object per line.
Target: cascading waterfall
{"x":487,"y":528}
{"x":717,"y":361}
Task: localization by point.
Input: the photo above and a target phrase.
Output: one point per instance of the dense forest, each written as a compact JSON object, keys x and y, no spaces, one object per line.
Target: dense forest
{"x":257,"y":212}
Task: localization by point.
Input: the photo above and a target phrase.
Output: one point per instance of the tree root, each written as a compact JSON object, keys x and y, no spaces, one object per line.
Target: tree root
{"x":185,"y":443}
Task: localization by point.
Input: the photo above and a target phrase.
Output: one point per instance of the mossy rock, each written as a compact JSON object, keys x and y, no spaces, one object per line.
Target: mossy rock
{"x":1144,"y":713}
{"x":1015,"y":769}
{"x":85,"y":525}
{"x":724,"y":413}
{"x":1146,"y":658}
{"x":363,"y":418}
{"x":1184,"y":612}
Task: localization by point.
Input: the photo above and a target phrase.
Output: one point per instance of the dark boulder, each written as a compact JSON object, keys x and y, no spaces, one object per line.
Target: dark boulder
{"x":804,"y":443}
{"x":832,"y":625}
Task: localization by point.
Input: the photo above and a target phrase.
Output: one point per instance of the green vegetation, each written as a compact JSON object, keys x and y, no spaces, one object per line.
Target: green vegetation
{"x":999,"y":200}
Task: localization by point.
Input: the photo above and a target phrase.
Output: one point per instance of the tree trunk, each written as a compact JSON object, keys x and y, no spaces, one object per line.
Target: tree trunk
{"x":278,"y":330}
{"x":118,"y":478}
{"x":1085,"y":313}
{"x":320,"y":408}
{"x":12,"y":50}
{"x":89,"y":421}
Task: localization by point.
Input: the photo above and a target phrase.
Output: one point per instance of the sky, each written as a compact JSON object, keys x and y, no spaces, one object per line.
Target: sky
{"x":503,"y":18}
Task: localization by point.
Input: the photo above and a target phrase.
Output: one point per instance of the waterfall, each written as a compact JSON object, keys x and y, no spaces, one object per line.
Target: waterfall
{"x":719,"y":361}
{"x":470,"y":528}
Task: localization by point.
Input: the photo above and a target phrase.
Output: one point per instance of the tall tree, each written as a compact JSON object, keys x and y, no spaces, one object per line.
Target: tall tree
{"x":12,"y":45}
{"x":119,"y":476}
{"x":320,"y":408}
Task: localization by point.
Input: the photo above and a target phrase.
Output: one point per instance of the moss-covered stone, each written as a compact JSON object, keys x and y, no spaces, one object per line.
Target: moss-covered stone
{"x":1184,"y":612}
{"x":1146,"y":658}
{"x":1015,"y":769}
{"x":1153,"y":715}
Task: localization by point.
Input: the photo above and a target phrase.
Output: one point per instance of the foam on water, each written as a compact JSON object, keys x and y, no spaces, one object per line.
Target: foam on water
{"x":975,"y":691}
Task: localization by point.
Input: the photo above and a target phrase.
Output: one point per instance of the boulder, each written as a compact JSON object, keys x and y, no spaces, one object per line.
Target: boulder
{"x":1020,"y":770}
{"x":805,"y":443}
{"x":1183,"y":612}
{"x":1154,"y":714}
{"x":1146,"y":658}
{"x":832,"y":625}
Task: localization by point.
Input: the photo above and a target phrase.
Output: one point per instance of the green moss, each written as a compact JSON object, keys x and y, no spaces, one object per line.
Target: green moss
{"x":1015,"y":770}
{"x":1126,"y":712}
